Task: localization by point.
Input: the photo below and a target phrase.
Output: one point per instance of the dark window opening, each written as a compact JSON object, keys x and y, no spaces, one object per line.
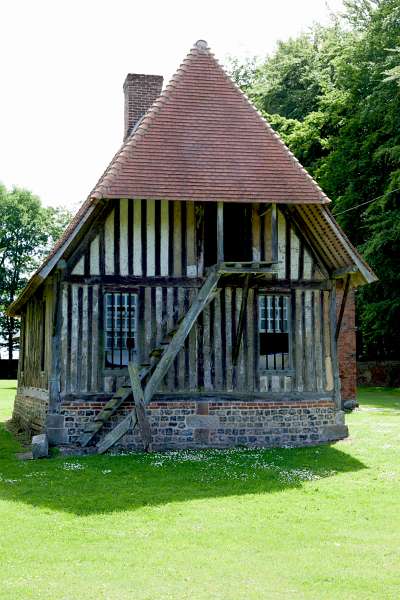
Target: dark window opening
{"x":43,"y":337}
{"x":237,"y":233}
{"x":273,"y":327}
{"x":210,"y":234}
{"x":120,"y":328}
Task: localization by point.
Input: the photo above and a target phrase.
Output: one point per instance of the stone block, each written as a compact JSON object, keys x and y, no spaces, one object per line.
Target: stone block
{"x":57,"y":435}
{"x":331,"y":433}
{"x":202,"y":421}
{"x":55,"y":421}
{"x":40,"y":446}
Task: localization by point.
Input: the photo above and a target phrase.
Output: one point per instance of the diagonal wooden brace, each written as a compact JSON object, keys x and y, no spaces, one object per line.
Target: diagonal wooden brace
{"x":202,"y":299}
{"x":143,"y":422}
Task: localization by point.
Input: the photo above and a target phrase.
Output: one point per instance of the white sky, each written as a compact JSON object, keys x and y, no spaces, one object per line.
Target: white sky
{"x":63,"y":63}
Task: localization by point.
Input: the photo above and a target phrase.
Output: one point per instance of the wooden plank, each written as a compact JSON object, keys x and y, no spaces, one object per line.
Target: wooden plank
{"x":181,"y":353}
{"x":317,"y":342}
{"x":137,"y":237}
{"x":342,"y":307}
{"x":164,"y":238}
{"x":84,"y":342}
{"x":274,"y":233}
{"x":217,"y":341}
{"x":74,"y":339}
{"x":177,"y":247}
{"x":299,"y":342}
{"x":229,"y":334}
{"x":256,"y":235}
{"x":307,"y":268}
{"x":116,"y":434}
{"x":199,"y":216}
{"x":294,"y":255}
{"x":191,"y":267}
{"x":240,"y":326}
{"x":220,"y":231}
{"x":207,"y":349}
{"x":143,"y":422}
{"x":94,"y":385}
{"x":327,"y":343}
{"x":192,"y":349}
{"x":135,"y":281}
{"x":150,"y":245}
{"x":109,"y":244}
{"x":64,"y":337}
{"x":281,"y":230}
{"x":94,"y":256}
{"x":123,"y":237}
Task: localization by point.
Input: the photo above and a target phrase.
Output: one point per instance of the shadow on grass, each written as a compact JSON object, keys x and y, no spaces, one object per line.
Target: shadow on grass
{"x":105,"y":484}
{"x":379,"y":397}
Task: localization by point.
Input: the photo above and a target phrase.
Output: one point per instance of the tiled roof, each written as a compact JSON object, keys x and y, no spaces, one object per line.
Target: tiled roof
{"x":203,"y":140}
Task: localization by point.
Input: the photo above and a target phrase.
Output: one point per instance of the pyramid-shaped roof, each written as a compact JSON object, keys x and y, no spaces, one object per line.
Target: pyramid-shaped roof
{"x":203,"y":140}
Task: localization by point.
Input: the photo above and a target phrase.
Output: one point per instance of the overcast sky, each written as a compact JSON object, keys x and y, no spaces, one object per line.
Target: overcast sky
{"x":63,"y":63}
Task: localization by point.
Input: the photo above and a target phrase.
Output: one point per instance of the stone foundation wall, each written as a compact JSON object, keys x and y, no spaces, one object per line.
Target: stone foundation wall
{"x":30,"y":410}
{"x":219,"y":423}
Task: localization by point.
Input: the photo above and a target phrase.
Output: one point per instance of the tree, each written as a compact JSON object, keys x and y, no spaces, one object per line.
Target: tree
{"x":333,"y":95}
{"x":28,"y":231}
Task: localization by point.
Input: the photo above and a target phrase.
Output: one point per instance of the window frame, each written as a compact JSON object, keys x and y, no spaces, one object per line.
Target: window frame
{"x":287,"y":299}
{"x":124,"y":330}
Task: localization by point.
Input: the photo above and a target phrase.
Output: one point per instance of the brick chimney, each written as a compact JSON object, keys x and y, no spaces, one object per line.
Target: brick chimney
{"x":140,"y":92}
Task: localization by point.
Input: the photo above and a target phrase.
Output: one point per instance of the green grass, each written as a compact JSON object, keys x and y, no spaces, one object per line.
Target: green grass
{"x":309,"y":523}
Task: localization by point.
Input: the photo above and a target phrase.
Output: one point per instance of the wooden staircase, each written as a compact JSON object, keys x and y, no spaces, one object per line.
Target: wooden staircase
{"x":161,"y":359}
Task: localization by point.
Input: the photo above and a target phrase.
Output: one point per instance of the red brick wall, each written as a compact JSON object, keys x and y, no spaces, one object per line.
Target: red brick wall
{"x":347,"y":346}
{"x":140,"y":92}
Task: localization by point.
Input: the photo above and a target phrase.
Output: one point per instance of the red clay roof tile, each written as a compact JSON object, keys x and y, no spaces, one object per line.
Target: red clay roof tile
{"x":203,"y":140}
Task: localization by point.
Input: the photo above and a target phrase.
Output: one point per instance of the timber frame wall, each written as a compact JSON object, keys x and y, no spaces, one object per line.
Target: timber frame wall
{"x":157,"y":250}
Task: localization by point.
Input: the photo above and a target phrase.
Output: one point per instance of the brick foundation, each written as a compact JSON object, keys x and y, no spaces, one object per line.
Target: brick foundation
{"x":220,"y":423}
{"x":30,"y":410}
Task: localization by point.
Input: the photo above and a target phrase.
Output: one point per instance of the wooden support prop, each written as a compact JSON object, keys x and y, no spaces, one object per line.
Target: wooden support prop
{"x":116,"y":434}
{"x":143,"y":422}
{"x":239,"y":333}
{"x":220,"y":231}
{"x":342,"y":307}
{"x":201,"y":300}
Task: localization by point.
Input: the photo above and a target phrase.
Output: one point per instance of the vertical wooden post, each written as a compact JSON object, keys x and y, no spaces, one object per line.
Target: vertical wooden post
{"x":55,"y":372}
{"x":335,"y":362}
{"x":220,"y":232}
{"x":274,"y":233}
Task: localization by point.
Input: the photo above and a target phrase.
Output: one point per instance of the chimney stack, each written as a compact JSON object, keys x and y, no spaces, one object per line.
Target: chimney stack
{"x":140,"y":92}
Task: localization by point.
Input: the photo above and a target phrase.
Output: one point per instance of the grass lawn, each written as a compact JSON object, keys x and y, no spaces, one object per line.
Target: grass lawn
{"x":242,"y":524}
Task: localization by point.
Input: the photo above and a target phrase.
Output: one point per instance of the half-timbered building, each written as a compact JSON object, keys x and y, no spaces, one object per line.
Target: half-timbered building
{"x":202,"y":295}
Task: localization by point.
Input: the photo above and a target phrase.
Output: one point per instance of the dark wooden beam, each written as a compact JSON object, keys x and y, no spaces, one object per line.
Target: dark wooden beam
{"x":274,"y":233}
{"x":239,"y":332}
{"x":342,"y":307}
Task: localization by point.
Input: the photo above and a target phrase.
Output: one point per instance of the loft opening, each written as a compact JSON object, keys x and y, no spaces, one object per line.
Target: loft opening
{"x":274,"y":332}
{"x":232,"y":222}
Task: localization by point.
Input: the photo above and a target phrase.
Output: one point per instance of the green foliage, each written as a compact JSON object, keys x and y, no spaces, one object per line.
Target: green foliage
{"x":28,"y":232}
{"x":333,"y":95}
